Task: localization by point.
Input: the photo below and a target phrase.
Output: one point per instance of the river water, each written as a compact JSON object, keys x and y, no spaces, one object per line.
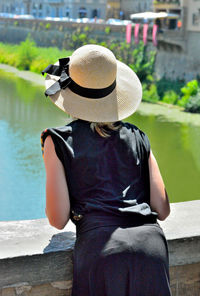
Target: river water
{"x":25,"y":112}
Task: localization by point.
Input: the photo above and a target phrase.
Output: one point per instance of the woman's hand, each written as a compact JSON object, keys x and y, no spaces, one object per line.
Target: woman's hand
{"x":57,"y":195}
{"x":159,"y":201}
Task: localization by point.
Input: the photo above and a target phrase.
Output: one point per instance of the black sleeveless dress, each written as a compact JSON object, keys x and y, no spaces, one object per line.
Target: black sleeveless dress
{"x":120,"y":248}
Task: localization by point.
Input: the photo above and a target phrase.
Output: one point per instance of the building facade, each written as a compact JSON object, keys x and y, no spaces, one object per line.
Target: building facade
{"x":123,"y":8}
{"x":193,"y":19}
{"x":187,"y":10}
{"x":179,"y":43}
{"x":56,"y":8}
{"x":76,"y":8}
{"x":113,"y":9}
{"x":135,"y":6}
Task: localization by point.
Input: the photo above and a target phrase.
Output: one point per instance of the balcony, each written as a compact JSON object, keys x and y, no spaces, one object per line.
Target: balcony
{"x":167,"y":4}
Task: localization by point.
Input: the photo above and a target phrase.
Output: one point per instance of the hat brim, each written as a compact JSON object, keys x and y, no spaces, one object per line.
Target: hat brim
{"x":119,"y":104}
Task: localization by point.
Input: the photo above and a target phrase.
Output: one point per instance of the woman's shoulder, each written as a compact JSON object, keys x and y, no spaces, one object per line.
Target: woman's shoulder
{"x":59,"y":135}
{"x":140,"y":135}
{"x":132,"y":127}
{"x":58,"y":132}
{"x":63,"y":129}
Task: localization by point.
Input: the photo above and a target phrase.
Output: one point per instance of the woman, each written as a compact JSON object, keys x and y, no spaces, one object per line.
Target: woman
{"x":101,"y":173}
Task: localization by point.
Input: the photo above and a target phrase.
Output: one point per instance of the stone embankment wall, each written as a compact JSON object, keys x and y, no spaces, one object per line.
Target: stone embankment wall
{"x":37,"y":260}
{"x":177,"y":51}
{"x":54,"y":33}
{"x":178,"y":55}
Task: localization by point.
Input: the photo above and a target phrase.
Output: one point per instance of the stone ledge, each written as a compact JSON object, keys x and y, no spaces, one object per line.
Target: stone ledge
{"x":34,"y":254}
{"x":33,"y":237}
{"x":184,"y":220}
{"x":182,"y":230}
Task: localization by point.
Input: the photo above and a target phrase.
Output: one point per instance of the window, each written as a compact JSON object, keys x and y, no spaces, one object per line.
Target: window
{"x":94,"y":13}
{"x":67,"y":14}
{"x":12,"y":8}
{"x":195,"y":19}
{"x":47,"y":11}
{"x":82,"y":12}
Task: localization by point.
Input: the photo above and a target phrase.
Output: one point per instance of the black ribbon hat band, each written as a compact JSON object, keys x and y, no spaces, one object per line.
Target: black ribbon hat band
{"x":62,"y":70}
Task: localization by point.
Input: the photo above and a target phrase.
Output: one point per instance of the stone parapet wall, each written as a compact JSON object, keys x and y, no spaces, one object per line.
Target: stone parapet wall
{"x":37,"y":260}
{"x":62,"y":288}
{"x":185,"y":280}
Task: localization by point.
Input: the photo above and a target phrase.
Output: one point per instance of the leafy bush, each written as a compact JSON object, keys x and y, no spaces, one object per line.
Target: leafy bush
{"x":8,"y":55}
{"x":150,"y":93}
{"x":193,"y":105}
{"x":38,"y":65}
{"x":170,"y":97}
{"x":142,"y":61}
{"x":189,"y":90}
{"x":48,"y":26}
{"x":26,"y":54}
{"x":107,"y":30}
{"x":13,"y":55}
{"x":165,"y":84}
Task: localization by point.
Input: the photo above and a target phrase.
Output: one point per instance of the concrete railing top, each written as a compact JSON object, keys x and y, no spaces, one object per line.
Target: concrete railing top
{"x":184,"y":220}
{"x":29,"y":237}
{"x":33,"y":237}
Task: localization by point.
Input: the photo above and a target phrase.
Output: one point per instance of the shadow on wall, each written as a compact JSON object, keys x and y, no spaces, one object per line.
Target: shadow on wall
{"x":61,"y":242}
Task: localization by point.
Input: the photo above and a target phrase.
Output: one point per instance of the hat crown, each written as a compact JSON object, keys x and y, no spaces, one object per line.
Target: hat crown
{"x":93,"y":66}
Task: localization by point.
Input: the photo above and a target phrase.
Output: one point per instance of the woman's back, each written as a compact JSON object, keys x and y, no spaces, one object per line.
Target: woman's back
{"x":117,"y":234}
{"x":104,"y":174}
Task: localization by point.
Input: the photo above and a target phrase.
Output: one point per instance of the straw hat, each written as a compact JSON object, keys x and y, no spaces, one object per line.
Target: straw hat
{"x":92,"y":85}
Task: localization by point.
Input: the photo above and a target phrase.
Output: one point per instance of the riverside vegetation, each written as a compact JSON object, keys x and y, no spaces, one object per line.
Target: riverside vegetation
{"x":27,"y":56}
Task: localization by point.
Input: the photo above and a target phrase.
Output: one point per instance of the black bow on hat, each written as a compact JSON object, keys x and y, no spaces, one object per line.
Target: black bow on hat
{"x":65,"y":80}
{"x":63,"y":71}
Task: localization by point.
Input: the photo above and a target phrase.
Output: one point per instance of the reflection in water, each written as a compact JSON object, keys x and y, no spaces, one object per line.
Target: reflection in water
{"x":25,"y":112}
{"x":176,"y":148}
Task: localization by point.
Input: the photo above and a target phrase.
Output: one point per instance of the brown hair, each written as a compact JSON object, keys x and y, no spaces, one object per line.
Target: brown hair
{"x":104,"y":128}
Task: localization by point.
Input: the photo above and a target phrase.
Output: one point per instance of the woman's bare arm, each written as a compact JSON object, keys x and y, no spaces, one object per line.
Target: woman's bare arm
{"x":57,"y":195}
{"x":159,"y":201}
